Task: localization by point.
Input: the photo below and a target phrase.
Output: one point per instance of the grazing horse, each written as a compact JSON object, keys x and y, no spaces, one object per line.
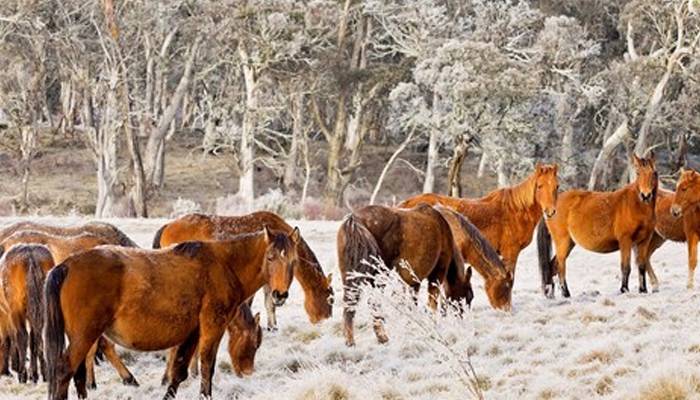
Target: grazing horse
{"x":317,"y":287}
{"x":110,"y":233}
{"x":419,"y":236}
{"x":61,"y":247}
{"x":22,"y":271}
{"x":602,"y":222}
{"x":150,"y":300}
{"x":476,"y":251}
{"x":506,"y":217}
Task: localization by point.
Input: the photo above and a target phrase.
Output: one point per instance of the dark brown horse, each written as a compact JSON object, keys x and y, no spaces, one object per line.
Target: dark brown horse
{"x":317,"y":287}
{"x":419,"y":236}
{"x":108,"y":232}
{"x":506,"y":217}
{"x":61,"y":247}
{"x":476,"y":251}
{"x":602,"y":222}
{"x":150,"y":300}
{"x":22,"y":271}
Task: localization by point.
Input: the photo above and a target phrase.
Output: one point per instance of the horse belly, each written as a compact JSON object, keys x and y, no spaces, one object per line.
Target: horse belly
{"x":596,"y":239}
{"x":146,"y":332}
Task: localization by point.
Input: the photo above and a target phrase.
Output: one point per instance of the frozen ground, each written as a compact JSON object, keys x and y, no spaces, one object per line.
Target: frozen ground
{"x":598,"y":343}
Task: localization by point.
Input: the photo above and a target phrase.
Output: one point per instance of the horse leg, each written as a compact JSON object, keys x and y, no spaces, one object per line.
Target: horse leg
{"x":692,"y":258}
{"x":110,"y":353}
{"x":68,"y":366}
{"x":378,"y":322}
{"x":20,"y":343}
{"x":90,"y":367}
{"x":643,"y":264}
{"x":351,"y":296}
{"x":208,"y":346}
{"x":5,"y":350}
{"x":194,"y":364}
{"x":167,"y":375}
{"x":563,"y":249}
{"x":33,"y":356}
{"x":270,"y":308}
{"x":180,"y":359}
{"x":625,"y":254}
{"x":654,"y":243}
{"x":80,"y":380}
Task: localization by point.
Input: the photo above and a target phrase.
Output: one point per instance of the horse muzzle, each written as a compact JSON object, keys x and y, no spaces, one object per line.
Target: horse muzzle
{"x":550,"y":213}
{"x":278,"y":298}
{"x":676,"y":210}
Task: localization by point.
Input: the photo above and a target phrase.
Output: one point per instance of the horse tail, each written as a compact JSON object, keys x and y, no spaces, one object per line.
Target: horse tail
{"x":544,"y":256}
{"x":54,"y":330}
{"x":35,"y":283}
{"x":156,"y":238}
{"x":358,"y":248}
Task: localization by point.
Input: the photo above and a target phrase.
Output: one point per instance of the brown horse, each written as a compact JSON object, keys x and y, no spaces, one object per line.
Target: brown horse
{"x":317,"y":287}
{"x":476,"y":251}
{"x":110,"y":233}
{"x":22,"y":271}
{"x":506,"y":217}
{"x":60,"y":249}
{"x":151,"y":300}
{"x":419,"y":236}
{"x":602,"y":222}
{"x":679,"y":220}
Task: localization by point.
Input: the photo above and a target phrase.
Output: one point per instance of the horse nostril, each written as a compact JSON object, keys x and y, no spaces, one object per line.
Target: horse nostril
{"x":284,"y":295}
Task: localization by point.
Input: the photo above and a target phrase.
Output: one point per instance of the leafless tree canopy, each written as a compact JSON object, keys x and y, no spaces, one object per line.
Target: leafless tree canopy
{"x":265,"y":82}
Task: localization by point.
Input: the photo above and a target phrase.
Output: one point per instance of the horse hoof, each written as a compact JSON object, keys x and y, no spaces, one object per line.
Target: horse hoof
{"x":272,"y":328}
{"x":92,"y":386}
{"x":624,"y":289}
{"x":130,"y":381}
{"x":642,"y":290}
{"x":22,"y":377}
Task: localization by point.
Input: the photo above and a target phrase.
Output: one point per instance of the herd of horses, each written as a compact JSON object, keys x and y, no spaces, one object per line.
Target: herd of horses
{"x":92,"y":285}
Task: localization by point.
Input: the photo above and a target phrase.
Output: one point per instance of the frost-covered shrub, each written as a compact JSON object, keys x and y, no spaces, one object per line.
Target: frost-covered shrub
{"x":274,"y":201}
{"x":440,"y":337}
{"x":315,"y":210}
{"x":184,"y":206}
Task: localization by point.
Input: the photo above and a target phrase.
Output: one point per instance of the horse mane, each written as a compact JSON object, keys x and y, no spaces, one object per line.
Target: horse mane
{"x":121,"y":237}
{"x":482,"y":247}
{"x":520,"y":196}
{"x":189,"y":249}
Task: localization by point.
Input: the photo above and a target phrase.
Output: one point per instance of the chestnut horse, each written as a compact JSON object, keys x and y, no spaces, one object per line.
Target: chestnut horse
{"x":22,"y":271}
{"x":317,"y":287}
{"x":678,"y":218}
{"x":506,"y":217}
{"x":476,"y":251}
{"x":110,"y":233}
{"x":61,"y":248}
{"x":602,"y":222}
{"x":419,"y":236}
{"x":151,"y":300}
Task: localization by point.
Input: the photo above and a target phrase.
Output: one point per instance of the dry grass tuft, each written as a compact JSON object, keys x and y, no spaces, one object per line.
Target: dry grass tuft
{"x":588,"y":317}
{"x":333,"y":392}
{"x":601,"y":356}
{"x":646,"y":314}
{"x":675,"y":387}
{"x":604,"y":386}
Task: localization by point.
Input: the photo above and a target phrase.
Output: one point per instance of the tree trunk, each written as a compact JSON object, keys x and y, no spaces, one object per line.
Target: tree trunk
{"x":27,"y":147}
{"x":388,"y":165}
{"x":608,"y":146}
{"x":454,"y":174}
{"x":106,"y":150}
{"x":155,"y":147}
{"x":501,"y":173}
{"x":246,"y":184}
{"x":482,"y":164}
{"x":290,"y":167}
{"x":429,"y":182}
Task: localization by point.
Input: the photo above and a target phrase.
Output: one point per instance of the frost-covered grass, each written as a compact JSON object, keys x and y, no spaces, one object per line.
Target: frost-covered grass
{"x":596,"y":344}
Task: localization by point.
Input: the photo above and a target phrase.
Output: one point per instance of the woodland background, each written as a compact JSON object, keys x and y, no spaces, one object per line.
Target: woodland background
{"x":310,"y":108}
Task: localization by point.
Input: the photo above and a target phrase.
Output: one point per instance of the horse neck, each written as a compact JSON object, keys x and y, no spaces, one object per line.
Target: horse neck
{"x":244,"y":258}
{"x":521,"y":197}
{"x":309,"y":272}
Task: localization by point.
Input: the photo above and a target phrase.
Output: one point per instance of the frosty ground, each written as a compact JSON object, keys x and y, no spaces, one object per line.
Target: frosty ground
{"x":598,"y":343}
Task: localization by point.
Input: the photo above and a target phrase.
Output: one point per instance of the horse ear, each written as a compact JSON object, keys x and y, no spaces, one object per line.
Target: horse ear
{"x":268,"y":236}
{"x":556,"y":168}
{"x":635,"y":160}
{"x":538,"y":167}
{"x":329,"y":279}
{"x":469,"y":273}
{"x":257,"y":318}
{"x":295,"y":235}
